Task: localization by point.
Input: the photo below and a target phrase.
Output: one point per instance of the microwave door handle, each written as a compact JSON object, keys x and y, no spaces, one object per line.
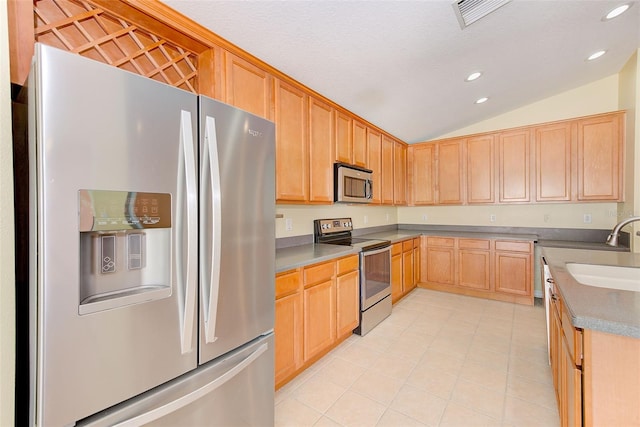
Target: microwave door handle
{"x":211,"y":287}
{"x":186,"y":260}
{"x":368,"y":184}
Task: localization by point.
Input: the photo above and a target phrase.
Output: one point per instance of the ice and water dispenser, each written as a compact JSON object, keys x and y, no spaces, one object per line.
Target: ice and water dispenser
{"x":125,"y":248}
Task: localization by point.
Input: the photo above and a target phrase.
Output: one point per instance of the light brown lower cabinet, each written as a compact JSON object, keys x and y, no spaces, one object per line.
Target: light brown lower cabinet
{"x":596,"y":375}
{"x":288,"y":324}
{"x":488,"y":268}
{"x":405,"y":255}
{"x":316,"y":308}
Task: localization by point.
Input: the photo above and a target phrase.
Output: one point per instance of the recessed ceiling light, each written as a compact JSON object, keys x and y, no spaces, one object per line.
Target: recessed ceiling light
{"x":482,"y":100}
{"x":596,"y":55}
{"x":617,"y":11}
{"x":473,"y":76}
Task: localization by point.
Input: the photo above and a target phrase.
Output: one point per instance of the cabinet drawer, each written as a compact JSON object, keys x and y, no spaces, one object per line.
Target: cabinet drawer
{"x":407,"y":245}
{"x":416,"y":242}
{"x":396,"y":249}
{"x":573,"y":337}
{"x":287,"y":283}
{"x":347,"y":264}
{"x":448,"y":242}
{"x":319,"y":273}
{"x":513,"y":246}
{"x":474,"y":244}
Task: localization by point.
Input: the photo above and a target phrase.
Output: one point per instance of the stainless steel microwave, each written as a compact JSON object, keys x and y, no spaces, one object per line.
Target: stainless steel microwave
{"x":352,"y":184}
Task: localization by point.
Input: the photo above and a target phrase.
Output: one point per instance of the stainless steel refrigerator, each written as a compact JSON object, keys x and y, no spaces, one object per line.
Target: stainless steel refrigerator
{"x":151,"y":252}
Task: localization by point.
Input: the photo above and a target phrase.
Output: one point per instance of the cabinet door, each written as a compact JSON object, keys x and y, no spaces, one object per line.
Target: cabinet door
{"x":474,"y":270}
{"x":288,"y":336}
{"x":321,"y":137}
{"x":441,"y":261}
{"x":450,"y":172}
{"x":247,"y":86}
{"x":513,"y":166}
{"x":553,"y":162}
{"x":513,"y":273}
{"x":555,"y":348}
{"x":571,"y":398}
{"x":344,"y":142}
{"x":387,"y":170}
{"x":374,"y":162}
{"x":399,"y":173}
{"x":396,"y":277}
{"x":416,"y":261}
{"x":422,"y":174}
{"x":359,"y":144}
{"x":347,"y":303}
{"x":600,"y":158}
{"x":319,"y":318}
{"x":407,"y":270}
{"x":292,"y":145}
{"x":480,"y":169}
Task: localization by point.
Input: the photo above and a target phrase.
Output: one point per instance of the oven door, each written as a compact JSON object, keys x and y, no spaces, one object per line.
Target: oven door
{"x":375,"y":276}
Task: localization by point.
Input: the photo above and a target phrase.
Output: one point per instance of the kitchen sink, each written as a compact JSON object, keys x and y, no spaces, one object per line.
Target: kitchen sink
{"x":606,"y":276}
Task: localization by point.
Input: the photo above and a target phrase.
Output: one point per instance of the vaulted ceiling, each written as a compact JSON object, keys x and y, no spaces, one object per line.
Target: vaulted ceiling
{"x":402,"y":65}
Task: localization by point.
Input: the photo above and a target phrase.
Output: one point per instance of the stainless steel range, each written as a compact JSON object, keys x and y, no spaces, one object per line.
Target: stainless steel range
{"x":375,"y":269}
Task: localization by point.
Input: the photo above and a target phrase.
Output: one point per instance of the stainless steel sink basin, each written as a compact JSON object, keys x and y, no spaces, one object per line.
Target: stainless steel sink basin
{"x":606,"y":276}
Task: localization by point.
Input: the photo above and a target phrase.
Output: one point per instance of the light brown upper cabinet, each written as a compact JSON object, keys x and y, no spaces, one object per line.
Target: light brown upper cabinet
{"x":247,"y":86}
{"x":600,"y":157}
{"x":399,"y":173}
{"x":450,"y":170}
{"x":304,"y":147}
{"x":421,"y":174}
{"x":344,"y":137}
{"x":553,"y":161}
{"x":480,"y":155}
{"x":374,"y":162}
{"x":320,"y":151}
{"x":514,"y":158}
{"x":292,"y":145}
{"x":359,"y":144}
{"x":388,"y":148}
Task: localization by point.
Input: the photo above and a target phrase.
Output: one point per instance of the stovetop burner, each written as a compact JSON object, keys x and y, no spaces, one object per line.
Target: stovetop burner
{"x":338,"y":232}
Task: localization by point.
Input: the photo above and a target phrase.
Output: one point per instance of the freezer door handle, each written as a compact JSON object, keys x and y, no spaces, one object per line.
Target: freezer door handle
{"x":210,"y":282}
{"x":195,"y":395}
{"x":186,"y":258}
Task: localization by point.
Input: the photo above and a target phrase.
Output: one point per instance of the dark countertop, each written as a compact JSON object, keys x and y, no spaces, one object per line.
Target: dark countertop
{"x":598,"y":246}
{"x":607,"y":310}
{"x":400,"y":235}
{"x":299,"y":256}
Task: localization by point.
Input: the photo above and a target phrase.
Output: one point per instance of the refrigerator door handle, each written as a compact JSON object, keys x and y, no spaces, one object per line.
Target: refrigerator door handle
{"x":187,"y":281}
{"x":195,"y":395}
{"x":211,"y":288}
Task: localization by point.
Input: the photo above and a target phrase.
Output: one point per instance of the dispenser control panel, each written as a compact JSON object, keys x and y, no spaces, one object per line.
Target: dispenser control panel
{"x":105,"y":210}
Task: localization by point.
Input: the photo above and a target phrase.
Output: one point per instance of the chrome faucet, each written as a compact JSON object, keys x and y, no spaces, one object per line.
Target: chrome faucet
{"x":612,"y":240}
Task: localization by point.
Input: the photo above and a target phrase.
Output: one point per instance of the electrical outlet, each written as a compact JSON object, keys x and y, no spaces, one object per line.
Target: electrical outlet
{"x":546,"y":217}
{"x":288,"y":224}
{"x":424,"y":217}
{"x":587,"y":218}
{"x":387,"y":217}
{"x":366,"y":219}
{"x":492,"y":218}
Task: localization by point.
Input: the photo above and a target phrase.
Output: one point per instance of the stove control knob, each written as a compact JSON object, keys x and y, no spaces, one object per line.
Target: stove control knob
{"x":349,"y":223}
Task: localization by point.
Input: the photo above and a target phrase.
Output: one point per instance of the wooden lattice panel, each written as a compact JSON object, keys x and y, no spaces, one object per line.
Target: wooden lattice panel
{"x":81,"y":27}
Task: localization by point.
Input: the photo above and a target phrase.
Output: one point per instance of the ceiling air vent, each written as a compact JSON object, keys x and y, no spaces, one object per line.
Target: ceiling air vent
{"x":469,"y":11}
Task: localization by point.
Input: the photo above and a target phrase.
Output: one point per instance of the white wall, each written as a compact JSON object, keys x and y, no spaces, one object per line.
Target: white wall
{"x":302,"y":216}
{"x":7,"y":275}
{"x":598,"y":97}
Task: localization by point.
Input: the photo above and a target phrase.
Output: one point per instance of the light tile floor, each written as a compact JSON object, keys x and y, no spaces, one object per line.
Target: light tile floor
{"x":439,"y":360}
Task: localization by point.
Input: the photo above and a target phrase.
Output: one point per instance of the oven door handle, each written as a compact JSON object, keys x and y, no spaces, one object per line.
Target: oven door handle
{"x":377,"y":251}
